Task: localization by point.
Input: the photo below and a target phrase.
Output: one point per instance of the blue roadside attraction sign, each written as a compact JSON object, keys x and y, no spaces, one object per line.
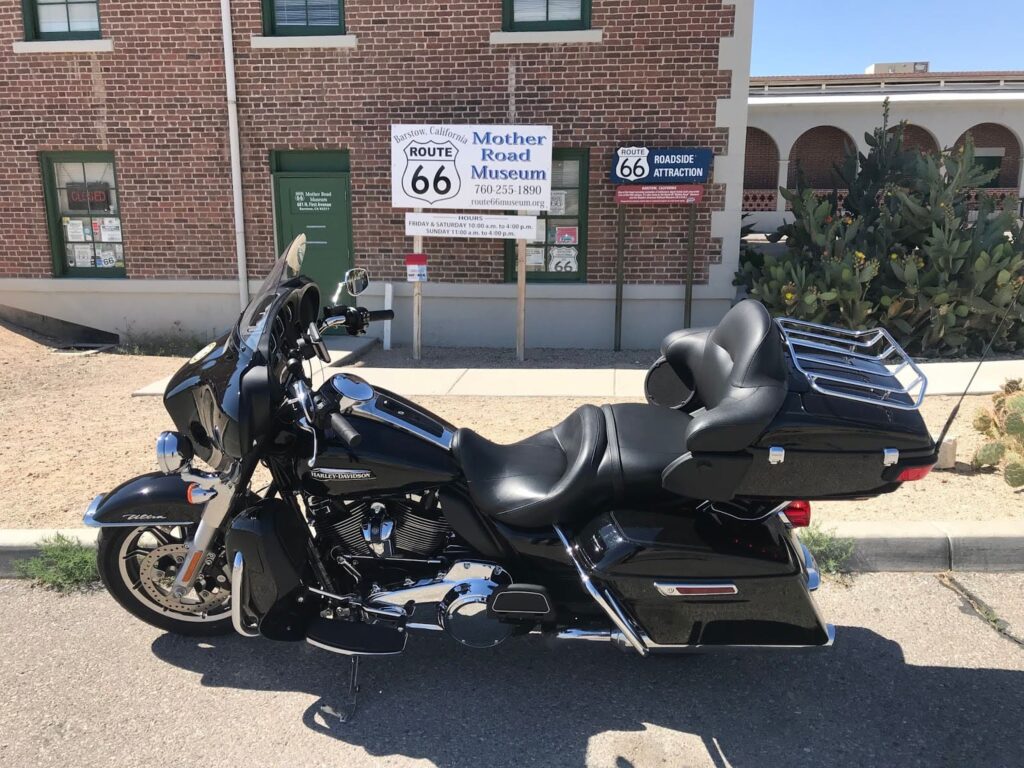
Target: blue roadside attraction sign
{"x":661,"y":165}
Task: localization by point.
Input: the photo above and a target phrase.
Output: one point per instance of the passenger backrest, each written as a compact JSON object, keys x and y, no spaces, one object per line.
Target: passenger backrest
{"x":738,"y":371}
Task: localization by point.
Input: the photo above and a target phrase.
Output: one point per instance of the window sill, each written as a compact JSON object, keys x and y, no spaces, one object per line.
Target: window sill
{"x":533,"y":38}
{"x":104,"y":45}
{"x":304,"y":41}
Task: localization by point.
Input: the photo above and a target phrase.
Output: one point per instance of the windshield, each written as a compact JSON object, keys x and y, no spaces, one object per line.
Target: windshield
{"x":254,"y":318}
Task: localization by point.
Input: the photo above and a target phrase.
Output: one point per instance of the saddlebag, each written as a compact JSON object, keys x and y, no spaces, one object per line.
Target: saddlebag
{"x":704,"y":578}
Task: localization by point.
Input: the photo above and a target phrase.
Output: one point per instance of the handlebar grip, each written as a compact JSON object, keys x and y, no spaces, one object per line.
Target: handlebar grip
{"x":345,"y":431}
{"x":381,"y":314}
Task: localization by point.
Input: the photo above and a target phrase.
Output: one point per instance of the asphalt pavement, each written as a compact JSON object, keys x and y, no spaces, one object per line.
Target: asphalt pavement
{"x":916,"y":678}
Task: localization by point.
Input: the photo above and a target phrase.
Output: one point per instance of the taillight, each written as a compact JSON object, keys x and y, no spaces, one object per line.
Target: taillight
{"x":913,"y":473}
{"x":798,"y":513}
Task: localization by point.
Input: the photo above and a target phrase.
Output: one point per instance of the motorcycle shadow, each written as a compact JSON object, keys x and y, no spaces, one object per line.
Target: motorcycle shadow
{"x":858,"y":703}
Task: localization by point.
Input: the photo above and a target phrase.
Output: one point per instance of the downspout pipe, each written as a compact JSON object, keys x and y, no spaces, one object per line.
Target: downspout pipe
{"x":236,"y":153}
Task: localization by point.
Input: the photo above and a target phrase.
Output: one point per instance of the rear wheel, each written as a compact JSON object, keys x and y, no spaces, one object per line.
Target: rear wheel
{"x":138,"y":567}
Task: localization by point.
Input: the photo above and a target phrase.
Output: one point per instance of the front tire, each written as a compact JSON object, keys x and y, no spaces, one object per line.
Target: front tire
{"x":136,"y":566}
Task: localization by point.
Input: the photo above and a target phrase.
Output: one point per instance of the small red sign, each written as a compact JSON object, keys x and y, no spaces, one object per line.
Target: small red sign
{"x":415,"y":259}
{"x":416,"y":268}
{"x":659,"y":194}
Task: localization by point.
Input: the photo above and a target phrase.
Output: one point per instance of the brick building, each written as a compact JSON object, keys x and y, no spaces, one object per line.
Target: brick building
{"x":119,"y":188}
{"x":807,"y":124}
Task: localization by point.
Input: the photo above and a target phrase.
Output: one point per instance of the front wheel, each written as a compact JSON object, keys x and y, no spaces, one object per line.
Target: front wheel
{"x":138,"y":567}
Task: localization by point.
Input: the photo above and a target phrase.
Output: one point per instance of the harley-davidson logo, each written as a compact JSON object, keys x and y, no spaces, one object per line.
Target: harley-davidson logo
{"x":322,"y":473}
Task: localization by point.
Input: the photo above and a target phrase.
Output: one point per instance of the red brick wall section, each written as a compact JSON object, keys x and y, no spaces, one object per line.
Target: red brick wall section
{"x":761,"y":168}
{"x":916,"y":137}
{"x":158,"y":102}
{"x":993,"y":135}
{"x":816,"y":152}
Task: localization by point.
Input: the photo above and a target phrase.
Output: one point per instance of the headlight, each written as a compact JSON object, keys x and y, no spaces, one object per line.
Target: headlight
{"x":173,"y":452}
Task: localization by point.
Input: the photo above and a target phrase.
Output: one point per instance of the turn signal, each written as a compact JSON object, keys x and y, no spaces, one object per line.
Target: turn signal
{"x":914,"y":473}
{"x":798,"y":513}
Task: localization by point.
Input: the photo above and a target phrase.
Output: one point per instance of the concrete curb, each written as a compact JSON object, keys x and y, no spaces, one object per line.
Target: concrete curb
{"x":994,"y":546}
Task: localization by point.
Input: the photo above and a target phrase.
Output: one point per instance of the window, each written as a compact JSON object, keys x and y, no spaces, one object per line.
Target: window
{"x":303,"y":17}
{"x":558,"y":253}
{"x":84,"y":214}
{"x":61,"y":19}
{"x":533,"y":15}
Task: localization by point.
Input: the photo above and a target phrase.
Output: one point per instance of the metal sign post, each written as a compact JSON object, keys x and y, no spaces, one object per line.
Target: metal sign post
{"x":620,"y":268}
{"x":520,"y":300}
{"x":691,"y":249}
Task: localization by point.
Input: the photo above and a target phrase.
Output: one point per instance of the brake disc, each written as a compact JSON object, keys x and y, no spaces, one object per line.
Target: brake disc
{"x":157,"y":572}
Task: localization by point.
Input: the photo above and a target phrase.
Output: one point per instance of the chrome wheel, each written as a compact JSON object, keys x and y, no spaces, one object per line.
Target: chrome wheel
{"x":148,"y":562}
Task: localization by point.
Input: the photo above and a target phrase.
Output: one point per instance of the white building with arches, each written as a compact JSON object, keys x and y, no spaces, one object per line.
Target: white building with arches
{"x":805,"y":125}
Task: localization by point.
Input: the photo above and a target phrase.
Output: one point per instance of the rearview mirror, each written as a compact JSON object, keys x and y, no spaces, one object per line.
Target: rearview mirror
{"x":356,"y":281}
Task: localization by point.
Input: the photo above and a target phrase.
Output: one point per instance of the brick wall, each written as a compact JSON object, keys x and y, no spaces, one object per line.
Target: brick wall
{"x":992,"y":135}
{"x":815,"y":153}
{"x":761,"y":168}
{"x":158,"y":103}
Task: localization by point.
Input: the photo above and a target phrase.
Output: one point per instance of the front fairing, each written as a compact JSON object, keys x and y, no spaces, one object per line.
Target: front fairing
{"x":224,"y":398}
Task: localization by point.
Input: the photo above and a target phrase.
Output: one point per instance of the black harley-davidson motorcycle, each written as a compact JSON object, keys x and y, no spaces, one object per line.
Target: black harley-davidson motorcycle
{"x":662,"y":526}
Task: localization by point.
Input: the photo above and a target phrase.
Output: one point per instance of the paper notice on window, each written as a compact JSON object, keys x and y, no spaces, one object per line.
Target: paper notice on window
{"x":557,"y":202}
{"x":110,"y":230}
{"x":74,"y":230}
{"x":563,"y":260}
{"x":534,"y":259}
{"x":83,"y":256}
{"x":106,"y":256}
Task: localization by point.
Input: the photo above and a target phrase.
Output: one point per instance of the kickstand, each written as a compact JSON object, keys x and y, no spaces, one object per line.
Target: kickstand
{"x":348,"y":709}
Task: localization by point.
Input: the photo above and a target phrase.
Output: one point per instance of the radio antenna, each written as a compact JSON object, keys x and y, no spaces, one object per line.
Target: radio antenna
{"x":988,"y":348}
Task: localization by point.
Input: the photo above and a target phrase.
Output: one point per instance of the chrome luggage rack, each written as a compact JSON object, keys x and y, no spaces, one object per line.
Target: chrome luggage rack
{"x":864,"y":366}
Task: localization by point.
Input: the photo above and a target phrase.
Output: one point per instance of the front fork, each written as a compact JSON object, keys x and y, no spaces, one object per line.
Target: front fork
{"x":217,"y":492}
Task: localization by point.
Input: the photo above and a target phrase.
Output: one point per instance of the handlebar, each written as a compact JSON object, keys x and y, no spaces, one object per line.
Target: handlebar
{"x":345,"y":431}
{"x":381,"y":314}
{"x":355,"y":319}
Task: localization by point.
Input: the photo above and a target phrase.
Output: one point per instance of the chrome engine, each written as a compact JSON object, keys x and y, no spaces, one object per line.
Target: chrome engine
{"x":410,"y":525}
{"x":456,"y":602}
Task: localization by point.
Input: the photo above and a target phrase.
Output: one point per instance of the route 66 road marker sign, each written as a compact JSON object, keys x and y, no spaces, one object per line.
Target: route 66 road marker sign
{"x":631,"y":163}
{"x":430,"y":173}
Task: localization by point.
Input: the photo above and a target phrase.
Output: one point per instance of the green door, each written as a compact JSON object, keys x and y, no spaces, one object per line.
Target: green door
{"x":317,"y":206}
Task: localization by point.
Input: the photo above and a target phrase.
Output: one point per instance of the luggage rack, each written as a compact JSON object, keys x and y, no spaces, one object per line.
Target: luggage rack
{"x":864,"y":366}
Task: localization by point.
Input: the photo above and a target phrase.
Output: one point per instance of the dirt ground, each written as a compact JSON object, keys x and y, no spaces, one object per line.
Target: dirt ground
{"x":69,"y":429}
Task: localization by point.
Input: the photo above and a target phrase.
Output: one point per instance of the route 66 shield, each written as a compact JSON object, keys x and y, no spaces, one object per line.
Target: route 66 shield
{"x":631,"y":163}
{"x":430,"y":173}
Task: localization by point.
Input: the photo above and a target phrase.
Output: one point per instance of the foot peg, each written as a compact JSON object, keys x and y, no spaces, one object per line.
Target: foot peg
{"x":355,"y":638}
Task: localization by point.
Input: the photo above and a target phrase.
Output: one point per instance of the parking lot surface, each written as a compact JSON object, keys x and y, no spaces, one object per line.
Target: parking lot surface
{"x":916,"y":678}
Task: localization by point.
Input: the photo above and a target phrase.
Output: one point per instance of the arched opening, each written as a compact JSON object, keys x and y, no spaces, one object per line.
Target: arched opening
{"x":996,"y":147}
{"x":816,"y":153}
{"x":760,"y":172}
{"x":921,"y":139}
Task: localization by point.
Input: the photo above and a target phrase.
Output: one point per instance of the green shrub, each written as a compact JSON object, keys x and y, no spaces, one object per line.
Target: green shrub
{"x":1004,"y":423}
{"x":900,"y":252}
{"x":831,"y":552}
{"x":63,"y":564}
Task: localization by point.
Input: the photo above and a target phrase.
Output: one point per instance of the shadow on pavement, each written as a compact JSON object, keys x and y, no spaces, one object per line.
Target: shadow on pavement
{"x":523,"y":703}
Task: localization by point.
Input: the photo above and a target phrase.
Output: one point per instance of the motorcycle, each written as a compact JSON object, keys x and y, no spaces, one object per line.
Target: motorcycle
{"x":658,"y":527}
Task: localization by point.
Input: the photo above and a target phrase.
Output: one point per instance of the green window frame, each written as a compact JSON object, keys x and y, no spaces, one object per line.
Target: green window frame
{"x":83,"y":213}
{"x":295,"y":18}
{"x":61,"y":19}
{"x":571,"y":185}
{"x":544,"y":15}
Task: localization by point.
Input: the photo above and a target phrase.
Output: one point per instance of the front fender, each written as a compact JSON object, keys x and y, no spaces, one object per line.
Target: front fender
{"x":153,"y":499}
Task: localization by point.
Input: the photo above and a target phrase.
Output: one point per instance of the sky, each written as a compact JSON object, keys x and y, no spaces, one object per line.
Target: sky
{"x":818,"y":37}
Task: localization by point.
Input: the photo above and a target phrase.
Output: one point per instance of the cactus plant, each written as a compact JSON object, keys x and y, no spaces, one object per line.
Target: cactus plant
{"x":903,"y":252}
{"x":1005,"y":424}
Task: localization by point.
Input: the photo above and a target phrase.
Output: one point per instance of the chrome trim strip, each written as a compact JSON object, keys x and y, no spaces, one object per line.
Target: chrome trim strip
{"x":237,"y":582}
{"x":810,"y":569}
{"x":717,"y":589}
{"x":344,"y":652}
{"x":370,"y":411}
{"x":90,"y":512}
{"x":604,"y":599}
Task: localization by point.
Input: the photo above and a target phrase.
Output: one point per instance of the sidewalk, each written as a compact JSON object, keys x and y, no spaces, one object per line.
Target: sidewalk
{"x":943,"y":379}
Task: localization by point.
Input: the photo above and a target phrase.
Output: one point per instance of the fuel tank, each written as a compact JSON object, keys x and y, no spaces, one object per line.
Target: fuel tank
{"x":404,"y":449}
